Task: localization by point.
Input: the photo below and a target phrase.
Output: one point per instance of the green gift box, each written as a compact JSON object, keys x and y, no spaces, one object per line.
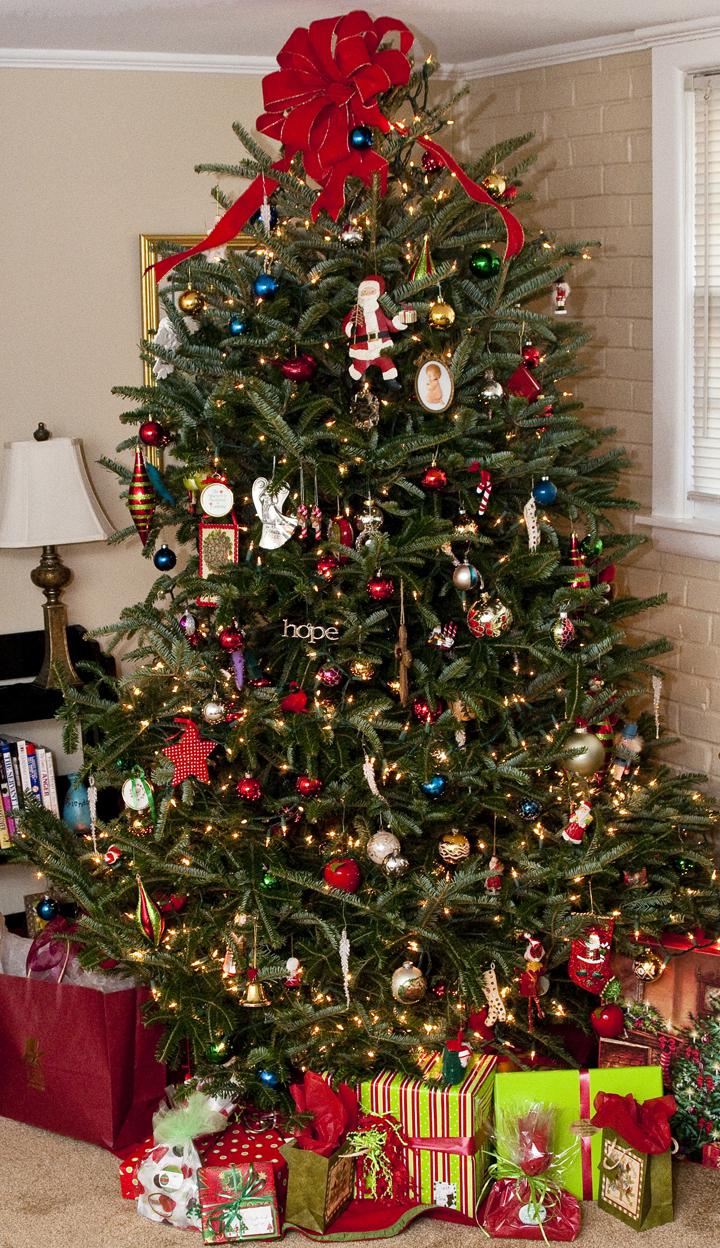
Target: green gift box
{"x":445,"y":1130}
{"x":634,"y":1187}
{"x":319,"y":1188}
{"x":572,"y":1094}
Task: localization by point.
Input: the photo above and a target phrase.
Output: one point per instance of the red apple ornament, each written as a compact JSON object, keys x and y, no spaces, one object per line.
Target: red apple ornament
{"x":342,"y":873}
{"x":608,"y":1021}
{"x":300,"y":368}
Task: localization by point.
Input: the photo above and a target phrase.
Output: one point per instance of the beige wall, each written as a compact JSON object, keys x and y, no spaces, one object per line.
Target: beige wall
{"x":593,"y":181}
{"x":91,"y":160}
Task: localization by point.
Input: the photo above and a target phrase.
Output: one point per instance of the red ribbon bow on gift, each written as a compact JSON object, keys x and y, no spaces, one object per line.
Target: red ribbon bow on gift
{"x":329,"y":78}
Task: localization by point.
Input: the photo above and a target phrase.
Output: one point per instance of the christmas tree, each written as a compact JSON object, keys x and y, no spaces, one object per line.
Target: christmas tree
{"x":376,"y":729}
{"x":695,"y":1070}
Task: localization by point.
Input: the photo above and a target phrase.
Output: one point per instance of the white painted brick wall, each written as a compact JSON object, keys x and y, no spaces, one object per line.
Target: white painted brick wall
{"x":593,"y":180}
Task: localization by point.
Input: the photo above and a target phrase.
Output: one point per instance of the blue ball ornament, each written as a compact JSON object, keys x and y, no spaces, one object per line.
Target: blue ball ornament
{"x":46,"y":909}
{"x":434,"y":787}
{"x":237,"y":326}
{"x":164,"y":559}
{"x":361,"y":138}
{"x":529,"y":808}
{"x":265,"y":286}
{"x":269,"y":1078}
{"x":545,"y":492}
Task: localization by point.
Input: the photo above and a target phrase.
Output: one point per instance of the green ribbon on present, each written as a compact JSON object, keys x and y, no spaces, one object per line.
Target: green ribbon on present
{"x":370,"y":1145}
{"x":242,"y":1188}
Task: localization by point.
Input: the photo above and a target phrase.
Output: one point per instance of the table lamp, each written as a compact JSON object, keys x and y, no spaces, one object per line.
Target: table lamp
{"x":47,"y":500}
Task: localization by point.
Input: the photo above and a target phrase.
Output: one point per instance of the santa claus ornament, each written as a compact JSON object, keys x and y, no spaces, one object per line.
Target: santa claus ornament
{"x":574,"y":831}
{"x":590,"y":964}
{"x":370,"y":332}
{"x":534,"y":982}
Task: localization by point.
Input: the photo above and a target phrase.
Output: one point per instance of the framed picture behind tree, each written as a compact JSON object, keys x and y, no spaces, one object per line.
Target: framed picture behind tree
{"x":152,"y":248}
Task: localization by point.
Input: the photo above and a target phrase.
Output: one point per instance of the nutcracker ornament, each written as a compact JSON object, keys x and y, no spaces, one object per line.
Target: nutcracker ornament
{"x":533,"y":981}
{"x":560,"y":294}
{"x":628,"y":747}
{"x":370,"y":332}
{"x":590,"y":964}
{"x":574,"y":831}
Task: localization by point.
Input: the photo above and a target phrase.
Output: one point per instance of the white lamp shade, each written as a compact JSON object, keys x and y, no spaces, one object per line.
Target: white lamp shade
{"x":46,"y":498}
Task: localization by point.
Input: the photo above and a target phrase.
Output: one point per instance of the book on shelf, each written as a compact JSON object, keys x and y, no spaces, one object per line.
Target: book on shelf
{"x":27,"y":771}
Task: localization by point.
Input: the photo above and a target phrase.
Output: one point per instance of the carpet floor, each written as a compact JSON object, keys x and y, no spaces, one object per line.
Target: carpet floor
{"x":58,"y":1193}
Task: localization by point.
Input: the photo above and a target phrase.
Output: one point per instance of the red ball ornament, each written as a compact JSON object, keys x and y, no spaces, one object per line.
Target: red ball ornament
{"x":301,"y":367}
{"x":430,"y":163}
{"x":608,"y":1021}
{"x":152,"y":433}
{"x":510,"y":192}
{"x":434,"y":478}
{"x":477,"y":1023}
{"x":330,"y":677}
{"x":380,"y":587}
{"x":309,"y":786}
{"x":174,"y":903}
{"x":231,"y":638}
{"x":530,"y":355}
{"x":326,"y":567}
{"x":425,"y":713}
{"x":342,"y":873}
{"x":295,"y":703}
{"x":249,"y":789}
{"x":340,"y":530}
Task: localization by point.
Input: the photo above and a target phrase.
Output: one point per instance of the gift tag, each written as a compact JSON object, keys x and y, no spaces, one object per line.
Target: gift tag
{"x":216,"y":498}
{"x":532,"y":1215}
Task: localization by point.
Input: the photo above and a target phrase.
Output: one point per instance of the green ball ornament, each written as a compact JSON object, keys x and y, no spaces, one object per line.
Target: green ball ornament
{"x":592,"y":548}
{"x":217,"y":1052}
{"x":268,"y":880}
{"x":485,"y":263}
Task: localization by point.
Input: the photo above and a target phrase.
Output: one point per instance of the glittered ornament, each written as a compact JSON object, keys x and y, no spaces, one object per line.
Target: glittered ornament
{"x":46,"y":909}
{"x":361,"y":668}
{"x":237,"y":326}
{"x":326,"y":567}
{"x":112,"y":855}
{"x":265,"y":286}
{"x":423,"y":266}
{"x":351,"y":235}
{"x":434,"y":787}
{"x":489,"y":617}
{"x":380,"y":587}
{"x":408,"y":984}
{"x":453,"y":847}
{"x":430,"y":164}
{"x":544,"y":492}
{"x":147,"y":916}
{"x":361,"y":138}
{"x":531,"y":355}
{"x":395,"y":866}
{"x":164,"y":559}
{"x":563,"y":631}
{"x":485,"y":263}
{"x":343,"y":874}
{"x":302,"y":367}
{"x":465,"y":576}
{"x":231,"y":638}
{"x":434,"y":478}
{"x":425,"y":712}
{"x":380,"y":844}
{"x":191,"y":302}
{"x":591,"y":756}
{"x":441,"y":315}
{"x":152,"y":433}
{"x":249,"y":789}
{"x":189,"y":755}
{"x":309,"y":786}
{"x":213,"y":712}
{"x":495,"y":184}
{"x":529,"y":809}
{"x":330,"y":677}
{"x":141,"y":499}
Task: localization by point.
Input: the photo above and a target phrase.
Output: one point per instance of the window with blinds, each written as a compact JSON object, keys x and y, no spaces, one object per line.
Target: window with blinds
{"x":705,"y":477}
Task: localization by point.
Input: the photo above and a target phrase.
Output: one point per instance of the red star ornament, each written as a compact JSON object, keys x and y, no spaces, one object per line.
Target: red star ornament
{"x":189,"y":754}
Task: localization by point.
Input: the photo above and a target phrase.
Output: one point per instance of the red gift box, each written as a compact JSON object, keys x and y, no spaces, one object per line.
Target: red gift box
{"x":236,"y":1145}
{"x":242,"y":1201}
{"x":711,"y":1156}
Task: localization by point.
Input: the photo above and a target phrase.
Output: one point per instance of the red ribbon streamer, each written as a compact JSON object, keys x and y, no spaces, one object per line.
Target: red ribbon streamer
{"x":459,"y":1145}
{"x":329,"y":78}
{"x":586,"y":1140}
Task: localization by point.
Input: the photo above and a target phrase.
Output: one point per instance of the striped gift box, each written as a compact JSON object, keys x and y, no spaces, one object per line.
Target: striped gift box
{"x":445,"y":1129}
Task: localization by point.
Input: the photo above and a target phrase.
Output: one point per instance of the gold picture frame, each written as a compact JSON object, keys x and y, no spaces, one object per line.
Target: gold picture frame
{"x":149,"y":288}
{"x":440,"y":398}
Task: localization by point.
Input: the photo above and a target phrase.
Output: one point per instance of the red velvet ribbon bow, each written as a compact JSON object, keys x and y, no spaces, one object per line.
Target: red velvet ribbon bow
{"x":645,"y":1127}
{"x":329,"y":78}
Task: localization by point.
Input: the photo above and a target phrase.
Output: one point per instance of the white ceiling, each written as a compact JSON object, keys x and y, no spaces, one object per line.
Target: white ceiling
{"x":456,"y":30}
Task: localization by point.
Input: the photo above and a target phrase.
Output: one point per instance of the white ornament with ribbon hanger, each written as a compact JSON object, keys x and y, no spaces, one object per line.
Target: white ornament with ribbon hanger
{"x":277,"y":528}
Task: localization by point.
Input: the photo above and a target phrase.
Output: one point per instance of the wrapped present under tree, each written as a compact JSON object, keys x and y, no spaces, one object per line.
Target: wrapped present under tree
{"x":635,"y":1162}
{"x":240,"y":1202}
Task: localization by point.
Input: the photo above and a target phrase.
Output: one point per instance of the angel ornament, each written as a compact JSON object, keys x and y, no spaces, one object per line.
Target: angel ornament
{"x":166,"y":338}
{"x":276,"y":528}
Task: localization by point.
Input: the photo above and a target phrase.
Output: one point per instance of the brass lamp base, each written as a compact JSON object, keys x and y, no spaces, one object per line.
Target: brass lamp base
{"x":51,"y":576}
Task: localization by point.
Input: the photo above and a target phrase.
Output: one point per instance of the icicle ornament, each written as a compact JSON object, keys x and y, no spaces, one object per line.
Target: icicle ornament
{"x":344,"y":951}
{"x":657,"y":694}
{"x":531,"y":523}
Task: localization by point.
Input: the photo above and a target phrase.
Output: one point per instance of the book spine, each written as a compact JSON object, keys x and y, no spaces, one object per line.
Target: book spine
{"x":21,"y":747}
{"x":5,"y":838}
{"x":33,"y":771}
{"x":54,"y":804}
{"x":10,"y":776}
{"x":41,"y":756}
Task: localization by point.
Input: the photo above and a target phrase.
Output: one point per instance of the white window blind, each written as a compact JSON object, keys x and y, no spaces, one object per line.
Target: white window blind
{"x":705,"y":478}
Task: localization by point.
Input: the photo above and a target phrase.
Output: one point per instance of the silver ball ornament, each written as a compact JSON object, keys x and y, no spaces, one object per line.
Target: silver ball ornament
{"x":381,"y":844}
{"x":395,"y":866}
{"x":492,"y":390}
{"x":592,"y":757}
{"x":408,"y":984}
{"x":213,"y":711}
{"x":465,"y":576}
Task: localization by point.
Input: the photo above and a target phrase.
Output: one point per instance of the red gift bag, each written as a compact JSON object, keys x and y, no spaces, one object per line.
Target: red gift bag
{"x":78,"y":1061}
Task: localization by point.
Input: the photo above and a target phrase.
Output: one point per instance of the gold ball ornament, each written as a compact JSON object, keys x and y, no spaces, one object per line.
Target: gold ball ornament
{"x":489,"y":617}
{"x":441,"y":315}
{"x":592,"y":757}
{"x":648,"y":966}
{"x":361,"y":669}
{"x":494,"y":184}
{"x":454,"y":847}
{"x":191,"y":302}
{"x":408,"y":984}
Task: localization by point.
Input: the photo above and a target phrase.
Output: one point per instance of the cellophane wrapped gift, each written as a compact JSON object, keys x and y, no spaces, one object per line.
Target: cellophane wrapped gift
{"x":444,"y":1130}
{"x":527,"y":1199}
{"x":321,"y":1172}
{"x":167,"y":1175}
{"x":635,"y":1160}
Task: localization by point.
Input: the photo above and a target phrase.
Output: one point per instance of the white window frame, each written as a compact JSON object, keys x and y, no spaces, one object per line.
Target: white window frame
{"x":679,"y":523}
